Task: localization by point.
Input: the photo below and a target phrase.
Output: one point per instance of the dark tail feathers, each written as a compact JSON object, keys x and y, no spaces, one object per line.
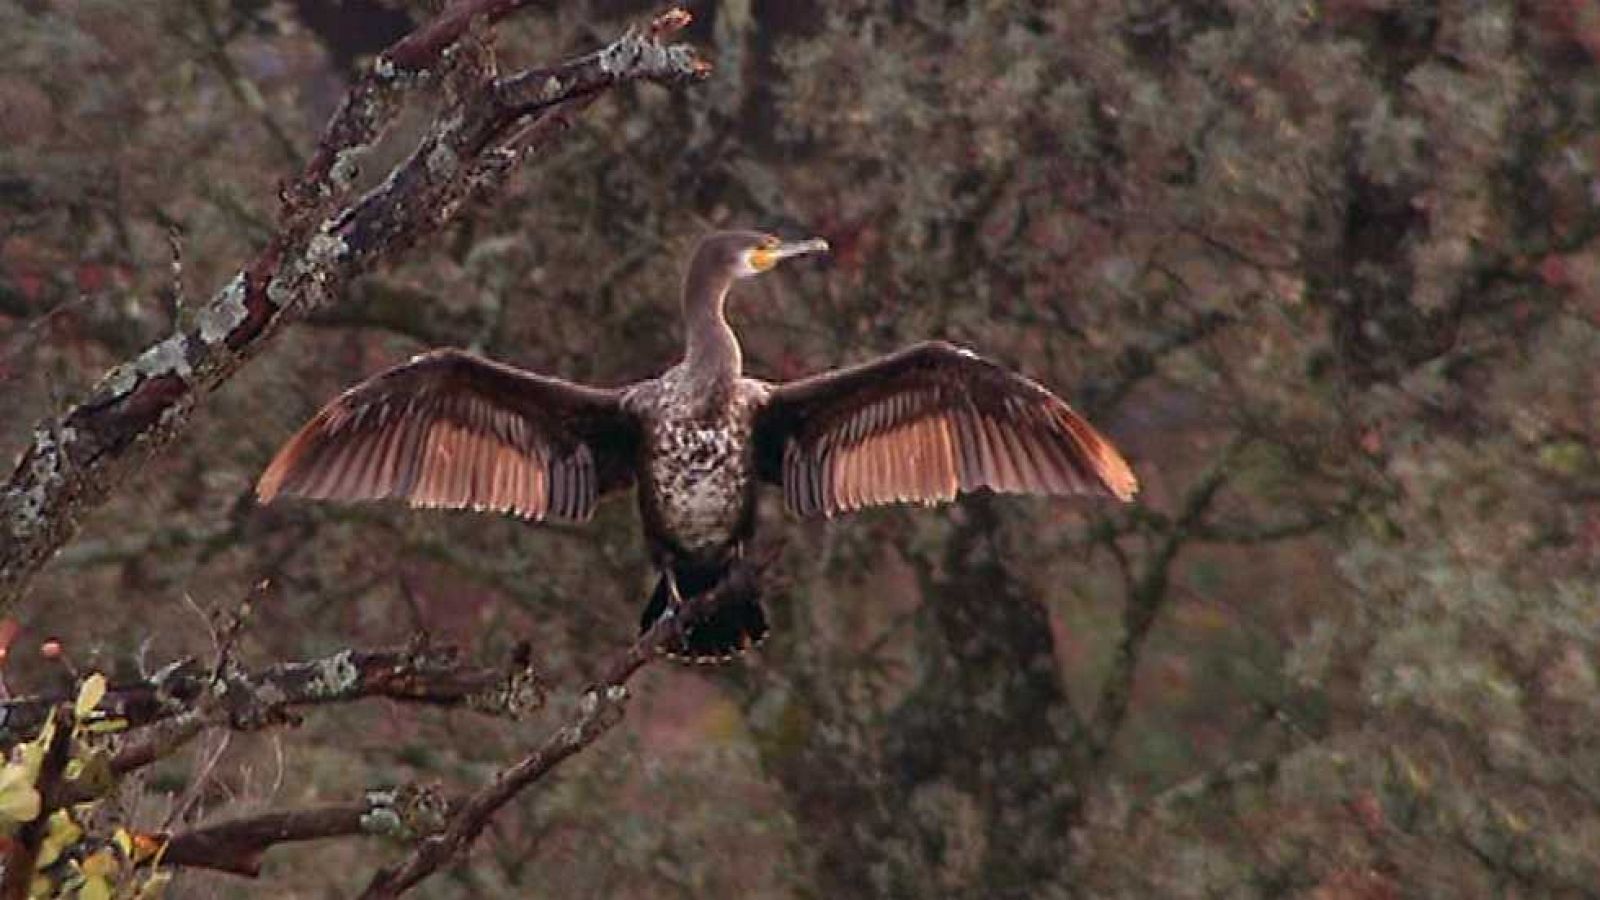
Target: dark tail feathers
{"x":738,"y":624}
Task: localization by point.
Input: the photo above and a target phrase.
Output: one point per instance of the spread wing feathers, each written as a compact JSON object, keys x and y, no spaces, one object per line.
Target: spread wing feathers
{"x":450,"y":429}
{"x":922,"y":425}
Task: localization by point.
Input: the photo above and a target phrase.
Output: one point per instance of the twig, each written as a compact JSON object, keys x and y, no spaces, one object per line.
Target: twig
{"x":442,"y":830}
{"x":600,"y":708}
{"x":1145,"y":597}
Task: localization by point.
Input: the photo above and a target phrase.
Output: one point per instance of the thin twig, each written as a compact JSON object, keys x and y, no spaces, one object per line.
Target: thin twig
{"x":600,"y":708}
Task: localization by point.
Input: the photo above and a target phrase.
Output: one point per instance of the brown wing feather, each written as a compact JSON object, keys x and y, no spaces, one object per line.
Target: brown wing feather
{"x":922,"y":425}
{"x":450,"y":429}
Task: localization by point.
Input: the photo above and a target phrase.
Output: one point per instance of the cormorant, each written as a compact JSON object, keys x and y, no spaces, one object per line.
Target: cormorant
{"x":452,"y":429}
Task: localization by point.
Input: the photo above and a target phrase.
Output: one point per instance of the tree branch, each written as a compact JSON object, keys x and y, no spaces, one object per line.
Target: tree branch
{"x":600,"y":708}
{"x":248,"y":701}
{"x":444,"y":829}
{"x":1146,"y":595}
{"x":76,"y":458}
{"x":237,"y":846}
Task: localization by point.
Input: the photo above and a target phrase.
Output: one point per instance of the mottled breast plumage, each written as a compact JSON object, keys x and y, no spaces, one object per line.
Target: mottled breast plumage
{"x":700,"y":458}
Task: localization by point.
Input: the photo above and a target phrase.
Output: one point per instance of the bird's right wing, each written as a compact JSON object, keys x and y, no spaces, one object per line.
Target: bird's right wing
{"x":451,"y":429}
{"x":922,"y":425}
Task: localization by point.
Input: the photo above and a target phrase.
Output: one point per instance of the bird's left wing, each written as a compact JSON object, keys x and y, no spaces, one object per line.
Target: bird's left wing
{"x":451,"y":429}
{"x":922,"y":425}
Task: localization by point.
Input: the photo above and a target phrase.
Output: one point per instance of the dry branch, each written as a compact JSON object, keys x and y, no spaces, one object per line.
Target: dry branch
{"x":441,"y":830}
{"x":600,"y":708}
{"x":75,"y":458}
{"x":237,"y":846}
{"x":247,"y":701}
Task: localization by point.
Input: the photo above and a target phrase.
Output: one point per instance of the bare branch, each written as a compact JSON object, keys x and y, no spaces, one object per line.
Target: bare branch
{"x":247,"y":701}
{"x":237,"y":846}
{"x":443,"y":830}
{"x":600,"y":708}
{"x":1146,"y":595}
{"x":76,"y":458}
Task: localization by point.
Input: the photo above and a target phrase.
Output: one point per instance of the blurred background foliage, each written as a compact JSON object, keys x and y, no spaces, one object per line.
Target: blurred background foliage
{"x":1326,"y":270}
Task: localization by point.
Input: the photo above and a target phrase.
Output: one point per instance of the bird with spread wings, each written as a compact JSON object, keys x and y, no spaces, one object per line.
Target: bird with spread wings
{"x":922,"y":425}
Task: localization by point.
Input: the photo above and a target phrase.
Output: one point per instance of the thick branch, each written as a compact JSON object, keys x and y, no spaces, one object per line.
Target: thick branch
{"x":75,"y":458}
{"x":252,"y":700}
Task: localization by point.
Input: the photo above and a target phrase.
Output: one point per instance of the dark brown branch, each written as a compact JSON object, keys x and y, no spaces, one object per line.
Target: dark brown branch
{"x":1146,"y":596}
{"x":238,"y":845}
{"x":443,"y":830}
{"x":252,"y":700}
{"x":600,"y":708}
{"x":74,"y":459}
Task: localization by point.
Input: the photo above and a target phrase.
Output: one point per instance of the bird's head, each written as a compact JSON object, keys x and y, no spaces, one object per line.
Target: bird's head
{"x":746,"y":253}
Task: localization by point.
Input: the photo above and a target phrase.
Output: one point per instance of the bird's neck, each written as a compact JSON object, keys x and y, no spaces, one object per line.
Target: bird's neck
{"x":711,"y":352}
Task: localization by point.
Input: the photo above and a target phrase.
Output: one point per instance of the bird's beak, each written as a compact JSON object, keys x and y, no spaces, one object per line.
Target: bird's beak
{"x":799,"y":248}
{"x":762,"y":259}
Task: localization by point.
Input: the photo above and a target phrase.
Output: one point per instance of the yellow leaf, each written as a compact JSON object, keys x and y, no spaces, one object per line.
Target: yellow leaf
{"x":100,"y":864}
{"x":63,"y":833}
{"x":42,"y":886}
{"x":154,"y":886}
{"x":107,"y":726}
{"x":33,"y":751}
{"x":89,"y":695}
{"x":19,"y":802}
{"x":95,"y":888}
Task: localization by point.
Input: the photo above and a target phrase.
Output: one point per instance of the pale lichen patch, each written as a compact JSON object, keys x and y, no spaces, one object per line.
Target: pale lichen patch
{"x":170,"y":357}
{"x":442,"y":161}
{"x":323,"y":249}
{"x":166,"y":358}
{"x":224,"y":313}
{"x":346,"y":166}
{"x":45,"y":472}
{"x":335,"y":676}
{"x":404,"y":813}
{"x":636,"y":53}
{"x":381,"y":818}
